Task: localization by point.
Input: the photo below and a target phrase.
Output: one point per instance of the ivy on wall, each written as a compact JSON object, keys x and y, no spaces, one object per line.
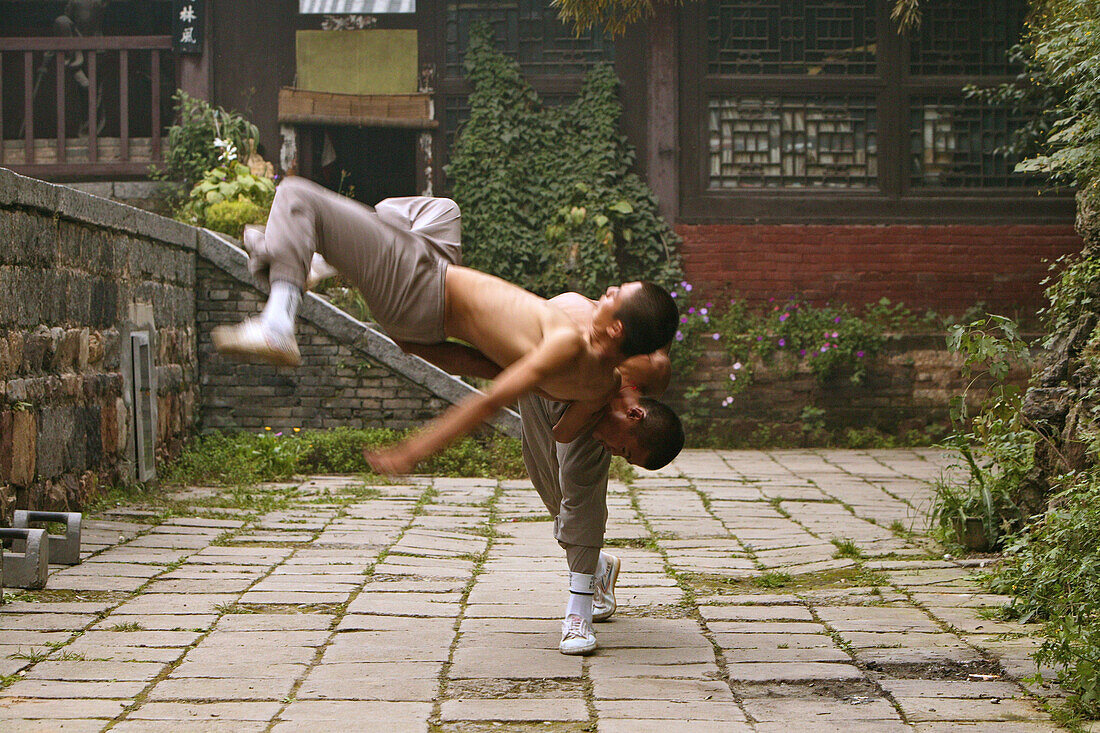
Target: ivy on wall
{"x":547,"y":194}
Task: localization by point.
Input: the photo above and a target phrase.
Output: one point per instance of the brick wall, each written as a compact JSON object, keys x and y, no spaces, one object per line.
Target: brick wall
{"x":336,"y":385}
{"x":946,"y":268}
{"x":78,"y":273}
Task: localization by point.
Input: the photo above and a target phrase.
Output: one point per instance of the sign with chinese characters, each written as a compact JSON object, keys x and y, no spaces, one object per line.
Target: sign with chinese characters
{"x":188,"y":20}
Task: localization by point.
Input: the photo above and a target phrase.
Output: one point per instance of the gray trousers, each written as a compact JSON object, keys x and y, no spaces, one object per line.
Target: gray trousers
{"x":571,"y":480}
{"x":396,"y":254}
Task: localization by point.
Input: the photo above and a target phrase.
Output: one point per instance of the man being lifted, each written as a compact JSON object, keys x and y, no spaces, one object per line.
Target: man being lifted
{"x":403,"y":257}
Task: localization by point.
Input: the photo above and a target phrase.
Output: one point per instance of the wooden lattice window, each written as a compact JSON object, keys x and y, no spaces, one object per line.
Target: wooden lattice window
{"x":824,"y":102}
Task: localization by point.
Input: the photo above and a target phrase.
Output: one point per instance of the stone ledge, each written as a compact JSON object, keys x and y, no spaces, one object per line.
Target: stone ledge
{"x":69,"y":203}
{"x":223,"y":252}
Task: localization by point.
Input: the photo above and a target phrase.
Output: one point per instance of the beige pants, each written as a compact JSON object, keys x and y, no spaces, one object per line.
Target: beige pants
{"x":396,"y":254}
{"x":571,"y":480}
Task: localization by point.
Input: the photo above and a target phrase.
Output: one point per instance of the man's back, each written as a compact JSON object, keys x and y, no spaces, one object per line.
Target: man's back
{"x":506,"y":322}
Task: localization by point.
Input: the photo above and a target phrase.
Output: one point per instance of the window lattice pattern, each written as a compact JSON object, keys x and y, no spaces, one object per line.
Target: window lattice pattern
{"x":966,"y":37}
{"x":793,"y":142}
{"x":791,"y":37}
{"x":954,"y":143}
{"x":528,"y":31}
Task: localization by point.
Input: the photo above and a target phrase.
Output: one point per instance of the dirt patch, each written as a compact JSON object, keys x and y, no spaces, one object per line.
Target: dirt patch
{"x":851,"y":690}
{"x":513,"y":727}
{"x":287,"y":608}
{"x":556,"y":688}
{"x":937,"y":670}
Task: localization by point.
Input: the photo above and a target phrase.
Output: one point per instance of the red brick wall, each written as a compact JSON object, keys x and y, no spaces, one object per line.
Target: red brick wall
{"x":946,"y":268}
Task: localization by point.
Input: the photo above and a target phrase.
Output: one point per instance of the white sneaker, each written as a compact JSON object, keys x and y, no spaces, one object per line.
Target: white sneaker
{"x":319,"y":270}
{"x":576,"y":636}
{"x":603,"y":600}
{"x":251,"y":340}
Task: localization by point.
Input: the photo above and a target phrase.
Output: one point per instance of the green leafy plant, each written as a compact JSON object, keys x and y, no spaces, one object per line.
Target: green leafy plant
{"x":231,"y":217}
{"x":1053,"y":576}
{"x":995,"y":448}
{"x":245,"y":459}
{"x":548,"y":196}
{"x":1064,"y":43}
{"x":189,"y":147}
{"x":229,"y":196}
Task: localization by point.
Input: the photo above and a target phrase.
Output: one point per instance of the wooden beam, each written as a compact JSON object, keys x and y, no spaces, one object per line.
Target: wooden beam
{"x":300,"y":106}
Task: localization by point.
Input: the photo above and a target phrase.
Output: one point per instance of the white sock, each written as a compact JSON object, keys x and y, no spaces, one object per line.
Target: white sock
{"x":581,"y":587}
{"x":282,"y":307}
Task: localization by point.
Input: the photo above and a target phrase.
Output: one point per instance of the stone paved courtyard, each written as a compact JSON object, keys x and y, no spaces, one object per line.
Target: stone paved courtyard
{"x":777,"y":592}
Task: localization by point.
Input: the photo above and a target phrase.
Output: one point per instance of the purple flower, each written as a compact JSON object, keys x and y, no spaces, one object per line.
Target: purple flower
{"x":687,"y":287}
{"x":703,"y":311}
{"x":784,"y":317}
{"x":706,"y":319}
{"x":683,"y":319}
{"x":672,"y":294}
{"x":759,"y":338}
{"x":736,"y":366}
{"x":801,"y":352}
{"x":717,"y":335}
{"x":771,"y":300}
{"x":835,"y":334}
{"x":859,"y":354}
{"x":824,"y":348}
{"x":679,"y":336}
{"x":710,"y":305}
{"x":836,"y":320}
{"x":278,"y":434}
{"x":782,"y":342}
{"x":691,"y":310}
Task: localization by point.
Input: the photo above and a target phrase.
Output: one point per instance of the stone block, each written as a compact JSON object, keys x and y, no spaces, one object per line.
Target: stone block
{"x":27,"y":565}
{"x":24,"y":435}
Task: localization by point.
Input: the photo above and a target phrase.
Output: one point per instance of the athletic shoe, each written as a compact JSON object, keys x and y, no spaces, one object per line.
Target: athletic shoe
{"x":251,"y":340}
{"x":576,"y":636}
{"x":318,"y":270}
{"x":603,"y":600}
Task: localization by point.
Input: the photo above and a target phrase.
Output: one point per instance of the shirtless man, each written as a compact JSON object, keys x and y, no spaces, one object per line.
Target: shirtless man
{"x":403,"y":257}
{"x":571,"y":476}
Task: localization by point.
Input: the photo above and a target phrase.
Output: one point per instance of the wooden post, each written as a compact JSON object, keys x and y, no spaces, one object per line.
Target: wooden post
{"x":662,"y":115}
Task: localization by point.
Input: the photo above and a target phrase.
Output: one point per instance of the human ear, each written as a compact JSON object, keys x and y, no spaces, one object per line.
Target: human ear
{"x":615,"y":329}
{"x":635,"y":413}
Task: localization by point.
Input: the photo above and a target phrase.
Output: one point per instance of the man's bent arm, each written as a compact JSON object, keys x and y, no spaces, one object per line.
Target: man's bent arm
{"x":519,"y":378}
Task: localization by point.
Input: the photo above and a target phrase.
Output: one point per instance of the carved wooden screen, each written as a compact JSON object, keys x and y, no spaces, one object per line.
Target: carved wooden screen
{"x":808,"y":108}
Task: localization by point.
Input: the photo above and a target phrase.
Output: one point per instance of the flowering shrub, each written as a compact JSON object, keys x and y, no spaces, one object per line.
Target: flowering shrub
{"x":785,"y":334}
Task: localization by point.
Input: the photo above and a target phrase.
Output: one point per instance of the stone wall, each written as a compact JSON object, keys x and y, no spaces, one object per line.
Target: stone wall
{"x":336,"y":385}
{"x":907,"y":387}
{"x":78,"y":274}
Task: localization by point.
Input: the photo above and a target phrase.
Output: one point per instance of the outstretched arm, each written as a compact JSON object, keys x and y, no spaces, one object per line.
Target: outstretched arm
{"x":553,"y":355}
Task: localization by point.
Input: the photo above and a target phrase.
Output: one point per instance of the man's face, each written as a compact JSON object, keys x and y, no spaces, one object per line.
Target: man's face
{"x":617,"y":432}
{"x":613,"y":299}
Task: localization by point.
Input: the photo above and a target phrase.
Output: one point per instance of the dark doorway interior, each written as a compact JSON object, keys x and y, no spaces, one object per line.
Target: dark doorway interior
{"x":366,"y":163}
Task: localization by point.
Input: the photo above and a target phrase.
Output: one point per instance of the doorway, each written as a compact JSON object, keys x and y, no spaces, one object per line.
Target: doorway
{"x":367,"y":164}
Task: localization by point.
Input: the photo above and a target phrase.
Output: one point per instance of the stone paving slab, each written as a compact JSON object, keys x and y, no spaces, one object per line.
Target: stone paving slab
{"x":436,"y":605}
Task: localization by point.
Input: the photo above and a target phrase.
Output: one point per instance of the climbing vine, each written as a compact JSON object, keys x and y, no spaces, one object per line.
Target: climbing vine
{"x":548,"y":197}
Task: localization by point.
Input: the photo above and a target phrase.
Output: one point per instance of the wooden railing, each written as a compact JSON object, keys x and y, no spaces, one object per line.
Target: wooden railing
{"x":115,"y":126}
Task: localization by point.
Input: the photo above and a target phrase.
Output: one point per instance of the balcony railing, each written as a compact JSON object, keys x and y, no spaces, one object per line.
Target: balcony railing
{"x":94,"y":106}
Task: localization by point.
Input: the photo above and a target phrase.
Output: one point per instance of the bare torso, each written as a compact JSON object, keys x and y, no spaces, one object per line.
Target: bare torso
{"x":505,"y":323}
